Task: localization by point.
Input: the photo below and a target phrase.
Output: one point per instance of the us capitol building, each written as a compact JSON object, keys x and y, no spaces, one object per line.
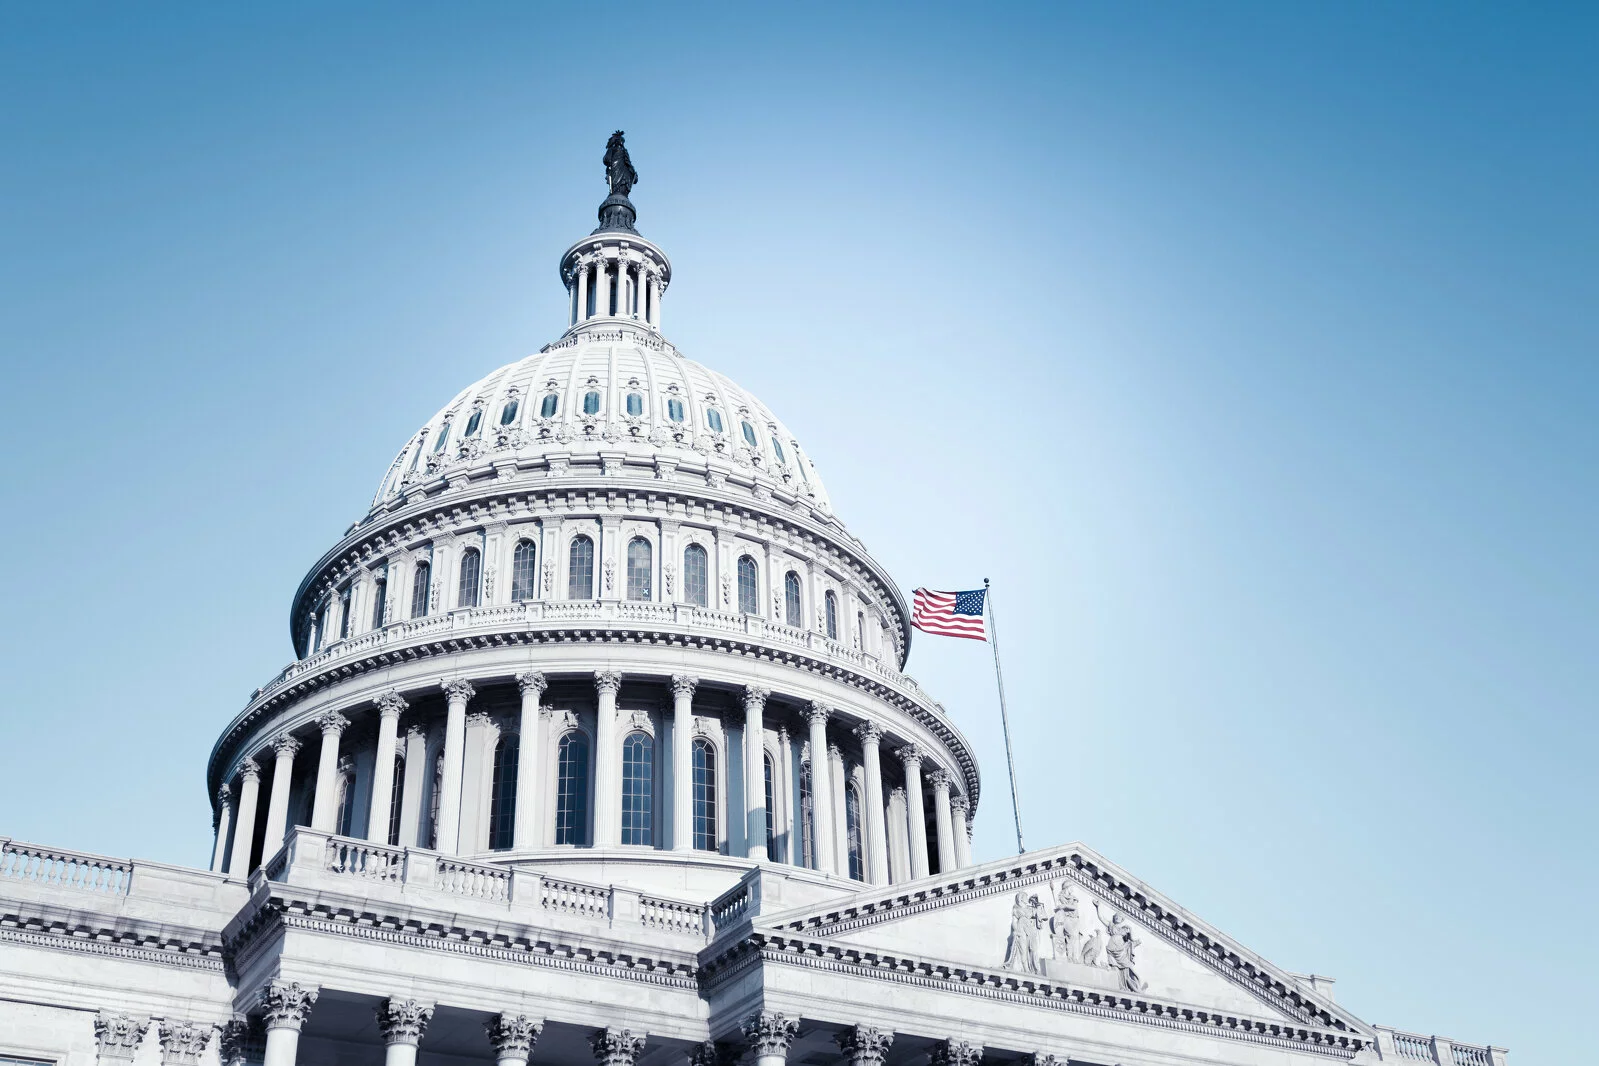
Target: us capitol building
{"x":597,"y":750}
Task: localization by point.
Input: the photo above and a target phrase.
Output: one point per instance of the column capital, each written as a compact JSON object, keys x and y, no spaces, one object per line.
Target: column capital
{"x":959,"y":804}
{"x":956,"y":1053}
{"x":755,"y":696}
{"x":513,"y":1035}
{"x":818,"y":711}
{"x":897,"y":793}
{"x":182,"y":1043}
{"x":869,"y":732}
{"x":225,"y":795}
{"x":287,"y":1004}
{"x":712,"y":1053}
{"x":416,"y":729}
{"x":478,"y":718}
{"x":242,"y":1040}
{"x":769,"y":1033}
{"x":607,"y":681}
{"x":532,"y":681}
{"x":249,"y":769}
{"x":457,"y":689}
{"x":616,"y":1047}
{"x":938,"y":778}
{"x":118,"y":1036}
{"x":865,"y":1045}
{"x":285,"y":744}
{"x":1044,"y":1058}
{"x":684,"y":685}
{"x":403,"y":1021}
{"x":391,"y":703}
{"x":332,"y":722}
{"x":912,"y":755}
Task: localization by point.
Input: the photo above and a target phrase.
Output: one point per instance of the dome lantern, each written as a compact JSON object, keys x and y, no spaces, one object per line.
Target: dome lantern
{"x":614,"y":273}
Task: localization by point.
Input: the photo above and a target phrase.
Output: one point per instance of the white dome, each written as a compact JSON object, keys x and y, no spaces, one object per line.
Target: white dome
{"x":617,"y":391}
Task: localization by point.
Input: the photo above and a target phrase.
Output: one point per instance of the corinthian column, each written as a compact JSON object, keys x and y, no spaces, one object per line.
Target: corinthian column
{"x":957,"y":1053}
{"x":182,"y":1043}
{"x":769,"y":1036}
{"x":456,"y":692}
{"x":823,"y":849}
{"x":524,"y":833}
{"x":284,"y":749}
{"x":864,"y":1045}
{"x":963,"y":842}
{"x":117,"y":1036}
{"x":224,"y":823}
{"x":616,"y":1047}
{"x":244,"y":832}
{"x":402,"y":1022}
{"x":871,"y":735}
{"x":683,"y":687}
{"x":285,"y":1006}
{"x":513,"y":1037}
{"x":755,"y":773}
{"x":607,"y":762}
{"x":939,"y":779}
{"x":916,"y":809}
{"x":582,"y":293}
{"x":324,"y":809}
{"x":390,"y":704}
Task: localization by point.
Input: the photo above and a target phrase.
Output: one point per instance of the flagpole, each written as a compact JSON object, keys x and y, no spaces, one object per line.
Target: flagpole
{"x":1004,"y":719}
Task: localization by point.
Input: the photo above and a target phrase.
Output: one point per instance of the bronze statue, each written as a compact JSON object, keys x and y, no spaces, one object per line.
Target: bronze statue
{"x":618,"y":167}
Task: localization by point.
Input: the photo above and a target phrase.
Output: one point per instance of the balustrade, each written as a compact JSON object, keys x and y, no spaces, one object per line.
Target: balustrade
{"x":65,"y":869}
{"x":492,"y":883}
{"x":572,"y":898}
{"x":364,"y":859}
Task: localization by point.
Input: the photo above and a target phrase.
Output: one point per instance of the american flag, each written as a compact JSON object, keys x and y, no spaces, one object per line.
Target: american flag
{"x":950,"y":614}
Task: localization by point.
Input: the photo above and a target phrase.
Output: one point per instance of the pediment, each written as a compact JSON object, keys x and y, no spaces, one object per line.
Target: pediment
{"x":1068,"y":917}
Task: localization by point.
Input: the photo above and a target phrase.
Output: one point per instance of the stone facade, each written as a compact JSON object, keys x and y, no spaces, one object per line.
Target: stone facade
{"x":598,"y":749}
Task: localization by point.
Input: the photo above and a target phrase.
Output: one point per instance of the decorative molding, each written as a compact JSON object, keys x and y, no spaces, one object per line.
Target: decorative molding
{"x":118,"y":1036}
{"x":403,"y":1021}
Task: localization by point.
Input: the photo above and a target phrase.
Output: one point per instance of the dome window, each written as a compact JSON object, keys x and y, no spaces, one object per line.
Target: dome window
{"x":474,"y":422}
{"x":591,"y":403}
{"x":749,"y":436}
{"x":674,"y":410}
{"x":444,"y":435}
{"x":547,"y":410}
{"x":635,"y":404}
{"x":508,"y":414}
{"x":778,"y":448}
{"x":713,"y":418}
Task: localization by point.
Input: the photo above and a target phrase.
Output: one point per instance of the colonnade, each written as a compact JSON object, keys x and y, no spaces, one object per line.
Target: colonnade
{"x":891,"y":846}
{"x":608,"y":284}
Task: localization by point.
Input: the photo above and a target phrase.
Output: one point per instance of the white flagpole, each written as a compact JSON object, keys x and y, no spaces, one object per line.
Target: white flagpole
{"x":1004,"y":719}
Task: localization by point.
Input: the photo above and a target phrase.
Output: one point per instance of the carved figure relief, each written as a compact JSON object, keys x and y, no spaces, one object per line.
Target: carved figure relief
{"x":1119,"y":947}
{"x":1074,"y":940}
{"x":1026,"y":918}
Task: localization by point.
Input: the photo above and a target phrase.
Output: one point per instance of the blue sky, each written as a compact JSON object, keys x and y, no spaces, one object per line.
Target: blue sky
{"x":1249,"y":349}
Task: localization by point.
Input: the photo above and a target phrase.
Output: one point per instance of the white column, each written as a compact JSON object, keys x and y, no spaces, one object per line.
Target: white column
{"x":915,"y":808}
{"x":224,"y":823}
{"x":456,"y":692}
{"x":822,"y":847}
{"x":871,"y":735}
{"x":963,"y":841}
{"x":324,"y":808}
{"x":284,"y":749}
{"x":402,"y":1023}
{"x":607,"y":762}
{"x":477,"y":780}
{"x":582,"y":293}
{"x":513,"y":1037}
{"x":416,"y":776}
{"x":390,"y":704}
{"x":602,"y":288}
{"x":755,"y":773}
{"x":939,"y":779}
{"x":769,"y":1036}
{"x":683,"y":687}
{"x":836,"y":770}
{"x":899,"y":852}
{"x":525,"y":833}
{"x":285,"y":1006}
{"x":244,"y":831}
{"x":783,"y":799}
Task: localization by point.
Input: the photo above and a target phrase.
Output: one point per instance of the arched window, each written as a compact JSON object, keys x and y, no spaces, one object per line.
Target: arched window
{"x":344,"y":612}
{"x":502,"y":797}
{"x":396,"y":800}
{"x":508,"y":412}
{"x":444,"y":435}
{"x":674,"y":410}
{"x":547,"y":408}
{"x":475,"y":421}
{"x":380,"y":597}
{"x":640,"y":564}
{"x":635,"y":404}
{"x":713,"y":418}
{"x":704,"y":795}
{"x":749,"y":436}
{"x":420,"y":581}
{"x":572,"y":790}
{"x":778,"y":448}
{"x":591,"y":403}
{"x":345,"y":820}
{"x":771,"y":809}
{"x":580,"y":569}
{"x":696,"y":576}
{"x":748,"y":601}
{"x":831,"y":602}
{"x":852,"y":831}
{"x":638,"y":789}
{"x":791,"y":600}
{"x":471,"y":578}
{"x":524,"y":571}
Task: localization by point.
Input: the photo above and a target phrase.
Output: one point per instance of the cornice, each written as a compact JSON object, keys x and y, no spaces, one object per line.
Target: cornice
{"x":62,"y":934}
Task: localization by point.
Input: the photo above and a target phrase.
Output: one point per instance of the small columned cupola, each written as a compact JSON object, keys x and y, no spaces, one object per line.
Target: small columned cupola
{"x":614,"y":273}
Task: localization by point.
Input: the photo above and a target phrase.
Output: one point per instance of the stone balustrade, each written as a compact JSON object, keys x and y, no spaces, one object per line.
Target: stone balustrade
{"x":1438,"y":1050}
{"x":65,"y":869}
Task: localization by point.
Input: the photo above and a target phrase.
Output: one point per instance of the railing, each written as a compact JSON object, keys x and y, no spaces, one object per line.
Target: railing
{"x":360,"y":858}
{"x":572,"y":898}
{"x":670,"y":916}
{"x":1437,"y":1050}
{"x":492,"y":883}
{"x":730,"y":905}
{"x":1411,"y":1046}
{"x":1467,"y":1055}
{"x":65,"y":869}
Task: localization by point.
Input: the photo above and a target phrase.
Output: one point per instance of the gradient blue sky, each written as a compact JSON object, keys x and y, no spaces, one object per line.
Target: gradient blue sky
{"x":1250,"y":349}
